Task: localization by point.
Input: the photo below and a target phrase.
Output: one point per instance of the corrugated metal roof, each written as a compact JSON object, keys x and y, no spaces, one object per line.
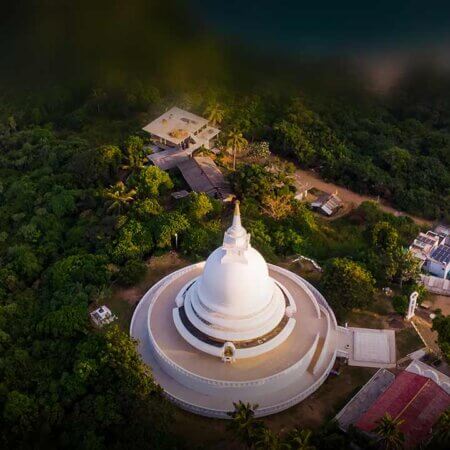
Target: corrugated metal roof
{"x":202,"y":175}
{"x":417,"y":400}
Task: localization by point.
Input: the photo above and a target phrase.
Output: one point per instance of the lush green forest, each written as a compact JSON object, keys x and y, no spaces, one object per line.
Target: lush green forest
{"x":80,"y":212}
{"x":78,"y":218}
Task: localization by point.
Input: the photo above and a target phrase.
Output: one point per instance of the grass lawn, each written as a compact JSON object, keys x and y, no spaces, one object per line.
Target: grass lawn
{"x":407,"y":341}
{"x":378,"y":314}
{"x":122,"y":309}
{"x":439,"y":302}
{"x":325,"y":403}
{"x":123,"y":301}
{"x":303,"y":268}
{"x":364,"y":319}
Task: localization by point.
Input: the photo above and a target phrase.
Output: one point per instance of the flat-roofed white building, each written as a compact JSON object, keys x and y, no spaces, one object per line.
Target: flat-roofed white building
{"x":102,"y":316}
{"x":181,"y":129}
{"x":424,"y":244}
{"x":438,"y":263}
{"x":432,"y":249}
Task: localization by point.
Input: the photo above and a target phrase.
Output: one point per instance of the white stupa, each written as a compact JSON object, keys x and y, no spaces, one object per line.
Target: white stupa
{"x":234,"y":301}
{"x":236,"y":328}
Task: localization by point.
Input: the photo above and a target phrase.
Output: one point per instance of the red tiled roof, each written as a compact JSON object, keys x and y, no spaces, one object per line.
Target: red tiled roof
{"x":417,"y":400}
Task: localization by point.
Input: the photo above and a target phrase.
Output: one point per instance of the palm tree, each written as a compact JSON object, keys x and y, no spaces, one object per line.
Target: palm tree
{"x":119,"y":196}
{"x":265,"y":439}
{"x":215,"y":113}
{"x":392,"y":438}
{"x":441,"y":435}
{"x":243,"y":423}
{"x":237,"y":142}
{"x":98,"y":96}
{"x":134,"y":162}
{"x":299,"y":439}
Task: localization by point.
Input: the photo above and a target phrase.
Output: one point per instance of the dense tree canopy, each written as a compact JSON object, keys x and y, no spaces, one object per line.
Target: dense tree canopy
{"x":347,"y":285}
{"x":441,"y":324}
{"x":77,"y":388}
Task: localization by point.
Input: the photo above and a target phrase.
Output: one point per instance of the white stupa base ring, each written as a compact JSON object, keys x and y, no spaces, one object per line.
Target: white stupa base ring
{"x":243,"y":348}
{"x":201,"y":383}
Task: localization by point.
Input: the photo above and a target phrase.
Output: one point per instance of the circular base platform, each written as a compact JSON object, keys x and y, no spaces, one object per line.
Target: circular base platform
{"x":202,"y":383}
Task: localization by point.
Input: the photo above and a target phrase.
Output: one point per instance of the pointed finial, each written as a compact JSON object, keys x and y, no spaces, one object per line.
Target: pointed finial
{"x":236,"y":238}
{"x":237,"y":211}
{"x":236,"y":225}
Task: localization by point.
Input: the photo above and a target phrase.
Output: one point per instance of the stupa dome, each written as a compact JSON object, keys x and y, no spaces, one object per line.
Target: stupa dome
{"x":235,"y":328}
{"x":235,"y":286}
{"x":235,"y":299}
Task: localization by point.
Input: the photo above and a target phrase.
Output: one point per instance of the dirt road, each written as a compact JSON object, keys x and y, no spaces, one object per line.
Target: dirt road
{"x":304,"y":176}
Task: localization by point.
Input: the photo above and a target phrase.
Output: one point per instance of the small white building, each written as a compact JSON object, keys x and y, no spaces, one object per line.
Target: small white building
{"x":424,"y":244}
{"x":432,"y":249}
{"x":438,"y":262}
{"x":102,"y":316}
{"x":182,"y":130}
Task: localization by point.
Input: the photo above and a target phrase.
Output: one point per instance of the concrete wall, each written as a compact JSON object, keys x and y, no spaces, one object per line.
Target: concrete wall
{"x":439,"y":269}
{"x":235,"y":389}
{"x":211,"y":386}
{"x":260,"y":412}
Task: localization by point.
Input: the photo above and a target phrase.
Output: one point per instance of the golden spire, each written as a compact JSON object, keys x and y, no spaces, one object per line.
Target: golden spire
{"x":237,"y":211}
{"x":236,"y":226}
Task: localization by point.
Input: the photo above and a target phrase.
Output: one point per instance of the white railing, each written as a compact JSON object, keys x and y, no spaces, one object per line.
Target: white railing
{"x":298,"y":280}
{"x":154,"y":293}
{"x":261,"y":412}
{"x":321,"y":358}
{"x":323,"y":302}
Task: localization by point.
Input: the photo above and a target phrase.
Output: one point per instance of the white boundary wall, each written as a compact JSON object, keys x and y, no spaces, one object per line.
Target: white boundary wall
{"x":273,"y":382}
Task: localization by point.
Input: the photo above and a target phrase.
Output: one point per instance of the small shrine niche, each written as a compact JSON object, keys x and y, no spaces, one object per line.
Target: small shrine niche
{"x":228,"y":352}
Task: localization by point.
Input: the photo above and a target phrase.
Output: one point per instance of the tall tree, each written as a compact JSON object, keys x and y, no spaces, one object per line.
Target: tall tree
{"x":347,"y":285}
{"x":134,"y":148}
{"x":441,"y":324}
{"x":215,"y":113}
{"x":299,"y":439}
{"x":151,"y":181}
{"x":441,"y":432}
{"x":388,"y":429}
{"x":243,"y":423}
{"x":266,"y":439}
{"x":237,"y":142}
{"x":408,"y":269}
{"x":119,"y":196}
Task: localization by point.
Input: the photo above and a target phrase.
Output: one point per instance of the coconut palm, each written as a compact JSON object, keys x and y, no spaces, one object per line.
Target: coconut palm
{"x":243,"y":423}
{"x":98,"y":96}
{"x":299,"y":439}
{"x":135,"y":154}
{"x":265,"y":439}
{"x":118,"y":196}
{"x":237,"y":143}
{"x":441,"y":435}
{"x":134,"y":163}
{"x":215,"y":113}
{"x":392,"y":438}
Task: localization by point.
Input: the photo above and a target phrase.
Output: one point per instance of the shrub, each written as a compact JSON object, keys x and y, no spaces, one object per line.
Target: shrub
{"x":347,"y":285}
{"x":132,"y":272}
{"x":400,"y":304}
